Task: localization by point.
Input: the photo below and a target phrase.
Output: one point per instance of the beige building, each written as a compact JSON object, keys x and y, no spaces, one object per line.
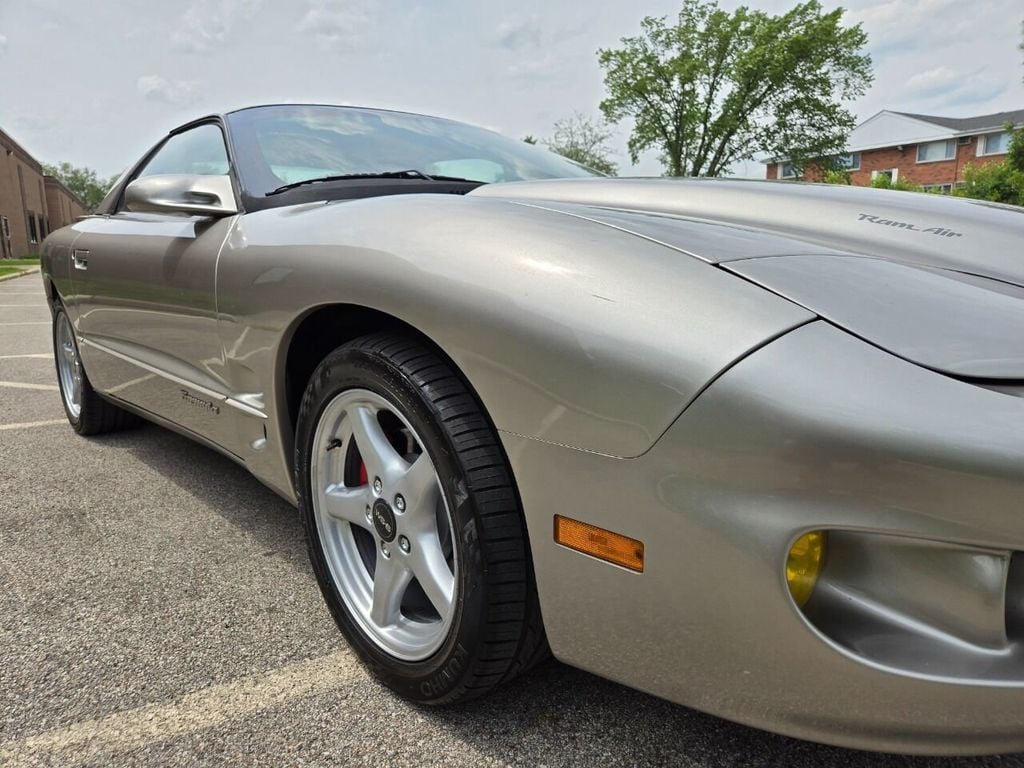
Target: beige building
{"x":31,"y":204}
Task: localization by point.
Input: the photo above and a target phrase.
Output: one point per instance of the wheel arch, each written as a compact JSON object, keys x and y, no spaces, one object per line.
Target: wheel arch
{"x":319,"y":331}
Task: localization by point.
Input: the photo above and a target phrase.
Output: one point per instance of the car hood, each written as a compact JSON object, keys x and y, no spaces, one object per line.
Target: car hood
{"x":722,"y":220}
{"x":961,"y":325}
{"x":936,"y":281}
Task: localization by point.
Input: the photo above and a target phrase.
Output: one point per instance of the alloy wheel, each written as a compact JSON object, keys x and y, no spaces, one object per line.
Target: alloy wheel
{"x":384,"y":524}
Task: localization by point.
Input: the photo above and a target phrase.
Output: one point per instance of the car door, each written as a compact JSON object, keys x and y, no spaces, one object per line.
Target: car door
{"x":144,"y":292}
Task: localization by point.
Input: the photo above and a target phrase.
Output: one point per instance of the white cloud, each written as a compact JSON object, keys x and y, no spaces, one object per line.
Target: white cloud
{"x":933,"y":80}
{"x":174,"y":92}
{"x":949,"y":88}
{"x":893,"y":25}
{"x":516,"y":35}
{"x":336,"y":24}
{"x":536,"y":68}
{"x":207,"y":24}
{"x":942,"y":57}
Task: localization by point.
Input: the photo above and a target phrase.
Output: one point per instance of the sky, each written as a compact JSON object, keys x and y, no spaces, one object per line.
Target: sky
{"x":97,"y":83}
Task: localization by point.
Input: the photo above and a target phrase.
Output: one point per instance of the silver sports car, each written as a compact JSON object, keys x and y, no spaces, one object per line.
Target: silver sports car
{"x":755,"y":448}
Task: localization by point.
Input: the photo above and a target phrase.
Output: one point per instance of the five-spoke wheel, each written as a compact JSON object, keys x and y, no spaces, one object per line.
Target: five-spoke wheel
{"x":384,"y":523}
{"x":414,"y":526}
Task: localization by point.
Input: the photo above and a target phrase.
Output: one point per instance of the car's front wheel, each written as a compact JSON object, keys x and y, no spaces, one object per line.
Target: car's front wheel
{"x":414,"y":527}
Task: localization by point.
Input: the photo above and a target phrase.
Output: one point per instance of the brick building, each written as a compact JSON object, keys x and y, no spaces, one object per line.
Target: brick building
{"x":921,"y":149}
{"x":31,"y":204}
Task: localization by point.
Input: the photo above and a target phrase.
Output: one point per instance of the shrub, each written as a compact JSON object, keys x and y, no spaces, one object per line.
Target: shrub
{"x":998,"y":182}
{"x":836,"y":176}
{"x":884,"y":182}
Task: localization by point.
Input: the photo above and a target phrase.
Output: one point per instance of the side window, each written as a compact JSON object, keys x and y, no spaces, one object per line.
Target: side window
{"x":199,"y":151}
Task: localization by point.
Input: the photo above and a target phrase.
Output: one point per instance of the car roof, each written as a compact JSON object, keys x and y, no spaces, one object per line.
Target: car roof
{"x":222,"y":115}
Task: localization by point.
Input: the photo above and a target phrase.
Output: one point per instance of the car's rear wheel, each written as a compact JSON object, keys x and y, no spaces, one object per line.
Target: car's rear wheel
{"x":88,"y":413}
{"x":414,"y":527}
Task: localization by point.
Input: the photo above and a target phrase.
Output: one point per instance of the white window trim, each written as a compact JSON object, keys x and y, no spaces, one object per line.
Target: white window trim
{"x":782,"y":170}
{"x":894,"y":171}
{"x":947,"y":142}
{"x":984,"y":145}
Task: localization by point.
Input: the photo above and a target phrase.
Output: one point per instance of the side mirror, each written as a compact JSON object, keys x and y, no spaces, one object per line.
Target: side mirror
{"x":180,"y":193}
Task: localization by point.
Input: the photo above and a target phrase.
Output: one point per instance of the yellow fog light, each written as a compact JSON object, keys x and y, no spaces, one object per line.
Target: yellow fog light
{"x":803,"y":565}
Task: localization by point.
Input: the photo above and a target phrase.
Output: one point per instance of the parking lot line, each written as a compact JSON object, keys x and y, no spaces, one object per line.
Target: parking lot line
{"x":40,"y":355}
{"x":20,"y":385}
{"x":92,"y":739}
{"x":41,"y":322}
{"x":31,"y":424}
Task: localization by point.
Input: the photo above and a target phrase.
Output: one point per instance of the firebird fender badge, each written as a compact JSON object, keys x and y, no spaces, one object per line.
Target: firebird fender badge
{"x":198,"y":402}
{"x":940,"y":231}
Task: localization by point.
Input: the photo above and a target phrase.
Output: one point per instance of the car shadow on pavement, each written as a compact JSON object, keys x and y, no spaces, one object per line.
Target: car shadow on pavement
{"x":555,"y":714}
{"x":225,"y":487}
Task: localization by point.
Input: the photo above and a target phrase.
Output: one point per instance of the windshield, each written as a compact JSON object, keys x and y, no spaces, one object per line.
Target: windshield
{"x":286,"y":144}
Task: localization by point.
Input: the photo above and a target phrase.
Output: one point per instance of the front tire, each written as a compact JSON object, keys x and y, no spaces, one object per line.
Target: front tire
{"x":87,"y":412}
{"x":414,"y":528}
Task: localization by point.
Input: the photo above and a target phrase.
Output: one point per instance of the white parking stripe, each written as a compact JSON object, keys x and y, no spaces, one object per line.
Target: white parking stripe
{"x":20,"y":385}
{"x":31,"y":424}
{"x":40,"y":355}
{"x":93,"y":740}
{"x":39,"y":323}
{"x":23,"y":306}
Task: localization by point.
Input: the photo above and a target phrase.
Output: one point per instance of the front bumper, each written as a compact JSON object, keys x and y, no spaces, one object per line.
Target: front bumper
{"x":818,"y":430}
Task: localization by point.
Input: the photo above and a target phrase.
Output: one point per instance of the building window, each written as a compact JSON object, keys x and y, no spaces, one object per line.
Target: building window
{"x":944,"y":189}
{"x":890,"y":173}
{"x":787,"y":171}
{"x":33,"y":236}
{"x":994,"y":143}
{"x":935,"y":151}
{"x":42,"y":228}
{"x":849,"y":161}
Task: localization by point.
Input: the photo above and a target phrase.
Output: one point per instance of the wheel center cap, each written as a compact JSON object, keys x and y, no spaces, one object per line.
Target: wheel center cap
{"x":384,"y":520}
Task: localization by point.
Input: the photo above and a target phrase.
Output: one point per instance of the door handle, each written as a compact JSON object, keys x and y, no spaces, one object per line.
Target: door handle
{"x":81,"y":259}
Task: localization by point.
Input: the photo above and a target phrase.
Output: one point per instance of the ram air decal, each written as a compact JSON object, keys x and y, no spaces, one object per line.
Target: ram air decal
{"x":940,"y":231}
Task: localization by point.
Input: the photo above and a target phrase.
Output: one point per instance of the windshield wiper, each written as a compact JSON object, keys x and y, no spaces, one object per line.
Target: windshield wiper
{"x":410,"y":174}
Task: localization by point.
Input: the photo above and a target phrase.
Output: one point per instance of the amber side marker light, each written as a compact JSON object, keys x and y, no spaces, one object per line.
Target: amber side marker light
{"x":803,"y":565}
{"x":600,"y":543}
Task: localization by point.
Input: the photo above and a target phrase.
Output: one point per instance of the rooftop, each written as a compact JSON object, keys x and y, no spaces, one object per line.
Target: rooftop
{"x":979,"y":123}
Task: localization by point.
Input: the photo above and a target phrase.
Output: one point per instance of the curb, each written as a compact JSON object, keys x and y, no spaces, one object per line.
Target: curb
{"x":29,"y":271}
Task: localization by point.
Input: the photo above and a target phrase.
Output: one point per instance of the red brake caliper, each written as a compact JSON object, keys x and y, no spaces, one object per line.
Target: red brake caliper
{"x":363,"y":478}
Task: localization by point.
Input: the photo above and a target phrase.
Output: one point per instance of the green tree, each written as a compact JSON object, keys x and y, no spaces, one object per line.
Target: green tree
{"x":84,"y":182}
{"x":717,"y":87}
{"x":1015,"y":153}
{"x":530,"y":139}
{"x":584,"y":140}
{"x":1001,"y":182}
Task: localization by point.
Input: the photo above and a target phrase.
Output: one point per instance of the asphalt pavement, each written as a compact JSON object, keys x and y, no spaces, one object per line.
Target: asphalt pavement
{"x":157,"y":609}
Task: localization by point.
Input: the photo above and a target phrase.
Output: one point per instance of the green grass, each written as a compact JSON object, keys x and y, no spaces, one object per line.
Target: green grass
{"x":30,"y":262}
{"x":10,"y":271}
